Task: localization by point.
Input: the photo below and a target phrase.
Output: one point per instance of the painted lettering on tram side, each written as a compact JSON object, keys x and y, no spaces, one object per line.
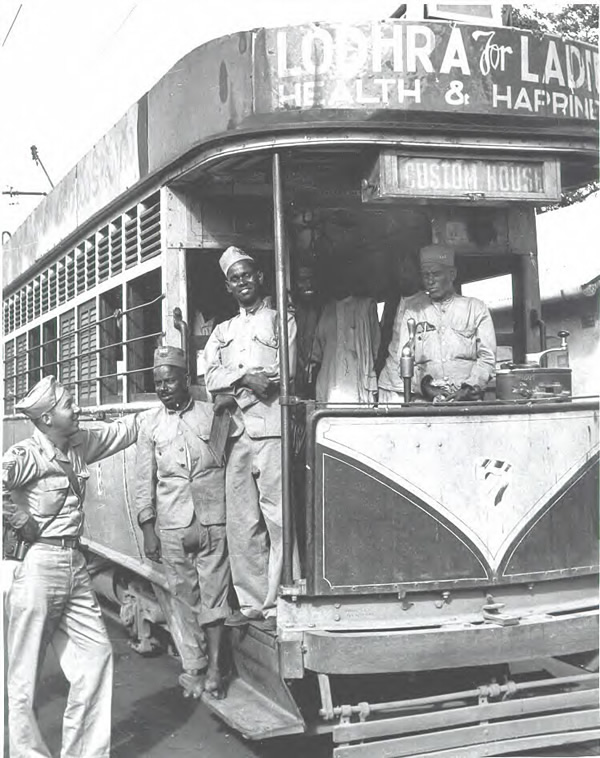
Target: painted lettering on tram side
{"x":399,"y":65}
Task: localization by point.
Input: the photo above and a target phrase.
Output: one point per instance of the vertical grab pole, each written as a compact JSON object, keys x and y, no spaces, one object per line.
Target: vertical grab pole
{"x":284,"y":369}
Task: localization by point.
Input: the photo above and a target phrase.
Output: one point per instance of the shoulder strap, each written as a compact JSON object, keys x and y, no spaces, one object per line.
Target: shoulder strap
{"x":73,"y":481}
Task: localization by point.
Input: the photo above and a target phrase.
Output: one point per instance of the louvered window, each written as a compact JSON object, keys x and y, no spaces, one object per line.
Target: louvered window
{"x":52,"y":278}
{"x":49,"y":348}
{"x":90,"y":262}
{"x":150,"y":227}
{"x":29,"y":302}
{"x":37,"y":297}
{"x":21,"y":366}
{"x":70,"y":266}
{"x":35,"y":357}
{"x":45,"y":294}
{"x":62,"y":281}
{"x":111,"y":346}
{"x":144,"y":325}
{"x":79,"y":269}
{"x":6,"y":311}
{"x":9,"y":376}
{"x":103,"y":254}
{"x":116,"y":246}
{"x":66,"y":350}
{"x":87,"y":353}
{"x":131,"y":238}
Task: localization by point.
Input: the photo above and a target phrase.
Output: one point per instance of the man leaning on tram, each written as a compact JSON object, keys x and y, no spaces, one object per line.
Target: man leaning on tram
{"x":51,"y":599}
{"x":455,"y":342}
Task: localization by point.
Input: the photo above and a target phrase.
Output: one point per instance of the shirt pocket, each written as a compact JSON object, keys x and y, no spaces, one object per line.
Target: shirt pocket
{"x":264,"y":349}
{"x":426,"y":346}
{"x":53,"y":491}
{"x":463,"y":343}
{"x":227,"y":351}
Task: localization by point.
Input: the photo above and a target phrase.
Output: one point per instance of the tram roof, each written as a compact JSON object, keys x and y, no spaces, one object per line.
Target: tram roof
{"x":392,"y":77}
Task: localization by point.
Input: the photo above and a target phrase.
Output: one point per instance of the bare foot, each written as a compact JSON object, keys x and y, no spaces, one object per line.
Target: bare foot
{"x":193,"y":684}
{"x":214,"y":684}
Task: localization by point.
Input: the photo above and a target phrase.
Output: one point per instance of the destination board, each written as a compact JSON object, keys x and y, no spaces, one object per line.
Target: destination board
{"x":397,"y":175}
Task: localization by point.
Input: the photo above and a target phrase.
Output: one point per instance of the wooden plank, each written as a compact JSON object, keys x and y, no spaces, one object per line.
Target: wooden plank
{"x":471,"y":714}
{"x":562,"y":745}
{"x":368,"y":653}
{"x":415,"y":745}
{"x":252,"y":714}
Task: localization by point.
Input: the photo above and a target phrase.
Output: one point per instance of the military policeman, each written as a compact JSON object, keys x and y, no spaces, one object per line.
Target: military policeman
{"x":180,"y":492}
{"x":51,"y":598}
{"x":242,"y":373}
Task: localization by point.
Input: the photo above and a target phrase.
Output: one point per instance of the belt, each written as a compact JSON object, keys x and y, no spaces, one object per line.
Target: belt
{"x":72,"y":542}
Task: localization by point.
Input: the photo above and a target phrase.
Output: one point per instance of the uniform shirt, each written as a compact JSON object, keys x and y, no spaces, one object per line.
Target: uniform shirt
{"x":38,"y":484}
{"x":176,"y":474}
{"x":249,"y":342}
{"x":455,"y":343}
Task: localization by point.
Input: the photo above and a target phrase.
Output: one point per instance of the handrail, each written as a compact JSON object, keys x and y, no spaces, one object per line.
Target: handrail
{"x":284,"y":370}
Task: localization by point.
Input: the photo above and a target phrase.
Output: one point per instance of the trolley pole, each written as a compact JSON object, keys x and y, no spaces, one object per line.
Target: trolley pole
{"x":284,"y":369}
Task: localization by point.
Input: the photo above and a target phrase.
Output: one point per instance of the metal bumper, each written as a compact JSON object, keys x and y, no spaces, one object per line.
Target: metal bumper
{"x":450,"y":646}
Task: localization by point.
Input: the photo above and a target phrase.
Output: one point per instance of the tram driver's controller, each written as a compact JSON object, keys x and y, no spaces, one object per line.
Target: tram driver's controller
{"x":407,"y":360}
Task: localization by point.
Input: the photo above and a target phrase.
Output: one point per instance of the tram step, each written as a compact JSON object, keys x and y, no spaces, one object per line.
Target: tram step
{"x":252,"y":714}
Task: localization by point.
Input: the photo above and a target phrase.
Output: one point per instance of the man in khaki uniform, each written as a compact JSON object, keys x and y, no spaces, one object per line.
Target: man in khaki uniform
{"x":180,"y":490}
{"x":455,"y":341}
{"x":51,"y":598}
{"x":242,"y":373}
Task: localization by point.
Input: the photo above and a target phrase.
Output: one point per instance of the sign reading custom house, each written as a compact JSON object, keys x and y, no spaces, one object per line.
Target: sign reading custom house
{"x":396,"y":175}
{"x":400,"y":65}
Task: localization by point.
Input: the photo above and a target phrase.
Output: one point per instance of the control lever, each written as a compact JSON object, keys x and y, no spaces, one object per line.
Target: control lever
{"x":407,"y":360}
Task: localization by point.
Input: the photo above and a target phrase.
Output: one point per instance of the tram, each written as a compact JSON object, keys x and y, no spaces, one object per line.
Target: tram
{"x":448,"y":602}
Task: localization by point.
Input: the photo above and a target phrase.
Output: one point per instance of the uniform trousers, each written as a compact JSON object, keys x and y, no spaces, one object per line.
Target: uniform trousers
{"x":51,"y":601}
{"x":198,"y":576}
{"x":254,"y":522}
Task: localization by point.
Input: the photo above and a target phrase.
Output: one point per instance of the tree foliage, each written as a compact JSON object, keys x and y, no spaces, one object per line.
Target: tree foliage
{"x":578,"y":21}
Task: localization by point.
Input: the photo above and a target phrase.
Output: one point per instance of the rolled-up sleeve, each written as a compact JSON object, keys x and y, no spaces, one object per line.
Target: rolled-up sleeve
{"x":484,"y":367}
{"x":108,"y":439}
{"x":145,"y":476}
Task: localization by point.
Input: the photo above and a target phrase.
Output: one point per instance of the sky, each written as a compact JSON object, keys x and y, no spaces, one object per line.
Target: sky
{"x":69,"y":69}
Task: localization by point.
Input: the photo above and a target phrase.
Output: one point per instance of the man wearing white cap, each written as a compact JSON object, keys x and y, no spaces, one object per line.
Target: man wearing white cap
{"x":455,"y":344}
{"x":51,"y":598}
{"x":180,"y":493}
{"x":242,"y":373}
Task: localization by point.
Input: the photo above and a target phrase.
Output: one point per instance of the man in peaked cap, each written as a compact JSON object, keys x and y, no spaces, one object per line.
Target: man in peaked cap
{"x":242,"y":373}
{"x":180,"y":502}
{"x":455,"y":345}
{"x":51,"y":598}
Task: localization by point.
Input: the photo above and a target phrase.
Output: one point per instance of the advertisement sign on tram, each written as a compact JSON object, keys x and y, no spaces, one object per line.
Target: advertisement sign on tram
{"x":433,"y":67}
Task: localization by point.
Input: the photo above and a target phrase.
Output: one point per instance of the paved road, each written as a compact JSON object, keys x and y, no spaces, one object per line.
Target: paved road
{"x":151,"y":719}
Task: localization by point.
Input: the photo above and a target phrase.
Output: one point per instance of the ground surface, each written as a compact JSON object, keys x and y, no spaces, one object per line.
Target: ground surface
{"x":151,"y":719}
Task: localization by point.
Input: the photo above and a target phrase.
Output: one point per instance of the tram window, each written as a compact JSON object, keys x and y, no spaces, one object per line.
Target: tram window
{"x":21,"y":366}
{"x":49,"y":348}
{"x":66,"y":351}
{"x":496,"y":293}
{"x":111,"y":348}
{"x":9,"y":376}
{"x":35,"y":357}
{"x":144,"y":331}
{"x":87,"y":355}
